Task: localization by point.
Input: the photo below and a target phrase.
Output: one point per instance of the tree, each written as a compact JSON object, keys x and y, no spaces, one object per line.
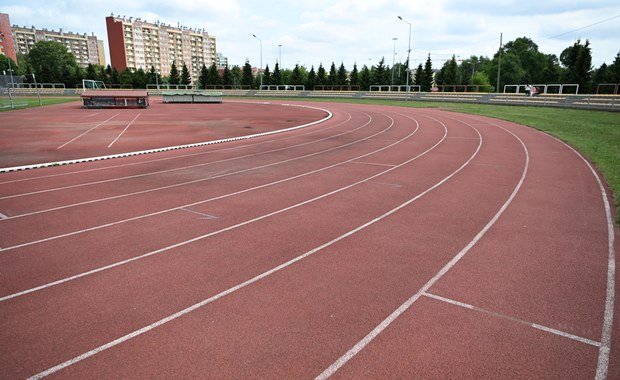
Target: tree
{"x":4,"y":65}
{"x":186,"y":78}
{"x":524,"y":53}
{"x":174,"y":74}
{"x":52,"y":63}
{"x":321,"y":75}
{"x":331,"y":78}
{"x":380,"y":73}
{"x":341,"y":76}
{"x":213,"y":76}
{"x":203,"y":79}
{"x":578,"y":62}
{"x":364,"y":78}
{"x":277,"y":75}
{"x":267,"y":80}
{"x":247,"y":78}
{"x":227,"y":77}
{"x":311,"y":80}
{"x":427,"y":75}
{"x":448,"y":72}
{"x":354,"y":76}
{"x":140,"y":78}
{"x":296,"y":77}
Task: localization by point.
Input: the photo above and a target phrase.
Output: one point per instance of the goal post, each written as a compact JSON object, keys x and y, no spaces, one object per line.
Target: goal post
{"x":89,"y":84}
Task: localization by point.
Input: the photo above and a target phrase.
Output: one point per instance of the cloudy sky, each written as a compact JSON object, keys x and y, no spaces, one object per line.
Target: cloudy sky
{"x":346,"y":31}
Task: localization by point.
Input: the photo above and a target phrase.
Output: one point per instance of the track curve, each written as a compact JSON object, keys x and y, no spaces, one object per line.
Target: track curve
{"x":383,"y":242}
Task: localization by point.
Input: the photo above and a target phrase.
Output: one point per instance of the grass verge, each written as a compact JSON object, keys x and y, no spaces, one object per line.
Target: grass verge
{"x":21,"y":102}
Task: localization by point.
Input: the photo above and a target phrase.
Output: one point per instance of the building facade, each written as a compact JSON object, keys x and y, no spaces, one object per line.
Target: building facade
{"x":136,"y":44}
{"x":86,"y":49}
{"x":7,"y":46}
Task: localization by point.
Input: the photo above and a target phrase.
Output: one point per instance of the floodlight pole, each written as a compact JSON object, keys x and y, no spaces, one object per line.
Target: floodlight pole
{"x":34,"y":78}
{"x":261,"y":61}
{"x":393,"y":58}
{"x":407,"y":70}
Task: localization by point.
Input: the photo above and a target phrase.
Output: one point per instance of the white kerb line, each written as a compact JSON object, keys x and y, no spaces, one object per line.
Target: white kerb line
{"x":75,"y":138}
{"x":127,"y":127}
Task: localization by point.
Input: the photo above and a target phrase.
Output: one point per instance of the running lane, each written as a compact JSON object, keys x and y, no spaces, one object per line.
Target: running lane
{"x":384,"y":242}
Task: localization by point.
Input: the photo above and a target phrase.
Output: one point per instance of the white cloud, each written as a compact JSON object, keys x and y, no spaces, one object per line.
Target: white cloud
{"x":326,"y":31}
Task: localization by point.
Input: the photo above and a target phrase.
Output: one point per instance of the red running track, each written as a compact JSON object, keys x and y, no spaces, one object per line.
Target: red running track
{"x":384,"y":242}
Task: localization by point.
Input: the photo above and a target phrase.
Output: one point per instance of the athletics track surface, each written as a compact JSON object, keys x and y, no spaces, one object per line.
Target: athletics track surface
{"x":382,"y":242}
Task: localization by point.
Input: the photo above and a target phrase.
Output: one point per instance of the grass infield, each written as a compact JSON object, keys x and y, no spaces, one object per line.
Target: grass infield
{"x":596,"y":134}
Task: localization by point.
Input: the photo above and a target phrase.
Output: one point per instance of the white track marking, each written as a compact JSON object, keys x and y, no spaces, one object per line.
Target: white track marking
{"x":182,"y":167}
{"x":512,"y":319}
{"x":180,"y":244}
{"x":127,"y":127}
{"x":157,"y":150}
{"x":205,"y":200}
{"x":176,"y":157}
{"x":607,"y":328}
{"x":602,"y":367}
{"x":2,"y":216}
{"x":75,"y":138}
{"x":359,"y":346}
{"x":264,"y":274}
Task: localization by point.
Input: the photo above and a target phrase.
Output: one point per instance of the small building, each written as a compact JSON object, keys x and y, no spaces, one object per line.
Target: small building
{"x":115,"y":99}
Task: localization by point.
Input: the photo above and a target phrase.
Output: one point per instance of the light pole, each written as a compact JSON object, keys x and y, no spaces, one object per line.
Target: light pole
{"x":10,"y":73}
{"x":34,"y":78}
{"x":280,"y":53}
{"x":393,"y":58}
{"x":408,"y":55}
{"x":261,"y":60}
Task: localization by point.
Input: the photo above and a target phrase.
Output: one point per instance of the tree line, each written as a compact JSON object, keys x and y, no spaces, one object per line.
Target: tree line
{"x":517,"y":62}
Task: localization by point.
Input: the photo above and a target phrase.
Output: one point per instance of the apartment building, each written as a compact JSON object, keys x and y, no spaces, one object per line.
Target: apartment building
{"x":86,"y":49}
{"x":136,"y":44}
{"x":7,"y":47}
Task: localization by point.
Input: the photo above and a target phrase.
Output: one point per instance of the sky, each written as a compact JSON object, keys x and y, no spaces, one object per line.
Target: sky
{"x":363,"y":32}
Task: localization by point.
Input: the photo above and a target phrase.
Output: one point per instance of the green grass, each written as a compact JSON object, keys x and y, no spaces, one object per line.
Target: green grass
{"x":22,"y":102}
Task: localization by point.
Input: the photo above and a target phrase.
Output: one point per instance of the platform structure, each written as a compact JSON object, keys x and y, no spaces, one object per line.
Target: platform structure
{"x":182,"y":96}
{"x":115,"y":99}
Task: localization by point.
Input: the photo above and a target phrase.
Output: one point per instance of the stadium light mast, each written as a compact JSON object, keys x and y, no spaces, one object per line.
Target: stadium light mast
{"x":261,"y":60}
{"x":393,"y":58}
{"x":407,"y":70}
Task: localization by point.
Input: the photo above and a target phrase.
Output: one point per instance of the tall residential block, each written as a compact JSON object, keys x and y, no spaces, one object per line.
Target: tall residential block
{"x":7,"y":46}
{"x":86,"y":49}
{"x":136,"y":44}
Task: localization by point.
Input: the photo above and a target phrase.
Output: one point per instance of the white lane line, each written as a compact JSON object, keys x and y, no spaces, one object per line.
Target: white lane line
{"x":193,"y":181}
{"x":516,"y":320}
{"x":156,"y":252}
{"x":242,"y":285}
{"x":127,"y":127}
{"x":359,"y":346}
{"x":205,"y":200}
{"x":203,"y":215}
{"x":120,"y":155}
{"x":75,"y":138}
{"x":179,"y":168}
{"x":176,"y":157}
{"x":607,"y":328}
{"x":602,"y":367}
{"x":2,"y":216}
